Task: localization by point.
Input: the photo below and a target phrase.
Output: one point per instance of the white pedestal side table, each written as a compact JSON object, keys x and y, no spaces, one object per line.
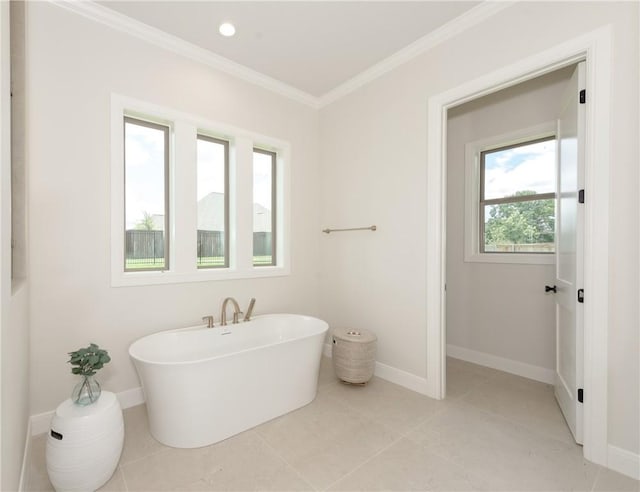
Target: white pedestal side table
{"x":84,"y":444}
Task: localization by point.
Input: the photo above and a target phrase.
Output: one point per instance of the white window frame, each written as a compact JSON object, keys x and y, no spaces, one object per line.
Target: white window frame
{"x":164,"y":127}
{"x":274,"y":203}
{"x":227,"y":242}
{"x":182,"y":197}
{"x":472,"y":196}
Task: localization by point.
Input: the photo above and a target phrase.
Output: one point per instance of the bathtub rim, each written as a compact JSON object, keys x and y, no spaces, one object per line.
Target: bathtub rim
{"x":221,"y":356}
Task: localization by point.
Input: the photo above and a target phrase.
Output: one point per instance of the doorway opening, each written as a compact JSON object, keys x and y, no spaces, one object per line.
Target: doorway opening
{"x":505,"y":234}
{"x":594,"y":48}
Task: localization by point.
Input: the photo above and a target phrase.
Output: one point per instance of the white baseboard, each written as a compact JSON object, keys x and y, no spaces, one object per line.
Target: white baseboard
{"x":393,"y":375}
{"x":41,"y":422}
{"x":529,"y":371}
{"x":26,"y":462}
{"x":624,"y":462}
{"x":131,"y":398}
{"x":401,"y":378}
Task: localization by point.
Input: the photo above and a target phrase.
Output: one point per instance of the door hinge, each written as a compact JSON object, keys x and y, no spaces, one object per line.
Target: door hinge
{"x":583,"y":96}
{"x":580,"y":395}
{"x":581,"y":295}
{"x":581,"y":196}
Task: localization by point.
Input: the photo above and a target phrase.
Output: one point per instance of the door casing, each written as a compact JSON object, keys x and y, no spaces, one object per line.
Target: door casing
{"x":595,"y":49}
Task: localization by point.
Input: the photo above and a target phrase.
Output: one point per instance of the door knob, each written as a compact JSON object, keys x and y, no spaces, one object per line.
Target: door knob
{"x":548,"y":288}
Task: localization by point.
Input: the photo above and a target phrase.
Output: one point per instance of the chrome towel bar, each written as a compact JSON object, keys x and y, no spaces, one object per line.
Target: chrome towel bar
{"x":370,"y":228}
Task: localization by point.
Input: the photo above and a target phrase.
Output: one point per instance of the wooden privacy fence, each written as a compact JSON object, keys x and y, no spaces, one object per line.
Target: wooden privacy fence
{"x":210,"y":244}
{"x":262,"y":244}
{"x":520,"y":248}
{"x":149,"y":245}
{"x":142,"y":244}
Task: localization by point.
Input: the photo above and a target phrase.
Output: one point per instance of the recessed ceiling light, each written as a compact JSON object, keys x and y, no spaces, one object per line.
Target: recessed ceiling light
{"x":227,"y":29}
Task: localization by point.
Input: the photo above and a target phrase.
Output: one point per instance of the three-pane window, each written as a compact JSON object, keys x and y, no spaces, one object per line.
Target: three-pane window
{"x":146,"y":162}
{"x":517,"y":198}
{"x":194,"y":200}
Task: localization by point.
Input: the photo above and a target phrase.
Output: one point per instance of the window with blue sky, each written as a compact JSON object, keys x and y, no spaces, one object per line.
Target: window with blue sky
{"x":264,"y":238}
{"x":213,"y":202}
{"x":517,"y":198}
{"x":146,"y":189}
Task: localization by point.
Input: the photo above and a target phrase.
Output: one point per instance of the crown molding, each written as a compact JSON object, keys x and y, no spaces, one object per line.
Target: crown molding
{"x":152,"y":35}
{"x":452,"y":28}
{"x":121,"y":22}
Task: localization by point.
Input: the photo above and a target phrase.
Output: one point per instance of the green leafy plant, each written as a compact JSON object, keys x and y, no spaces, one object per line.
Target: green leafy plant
{"x":88,"y":360}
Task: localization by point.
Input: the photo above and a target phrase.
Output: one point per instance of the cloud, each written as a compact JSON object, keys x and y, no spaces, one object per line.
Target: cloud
{"x":144,"y":173}
{"x":530,"y":167}
{"x":210,"y":168}
{"x":144,"y":146}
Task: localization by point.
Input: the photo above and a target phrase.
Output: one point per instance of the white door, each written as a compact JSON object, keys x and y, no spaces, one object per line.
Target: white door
{"x":569,"y":255}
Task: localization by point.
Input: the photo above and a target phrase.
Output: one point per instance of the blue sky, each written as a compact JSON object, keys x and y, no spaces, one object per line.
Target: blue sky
{"x":144,"y":172}
{"x":527,"y":167}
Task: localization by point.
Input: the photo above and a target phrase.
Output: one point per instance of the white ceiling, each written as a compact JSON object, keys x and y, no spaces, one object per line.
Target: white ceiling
{"x":312,"y":46}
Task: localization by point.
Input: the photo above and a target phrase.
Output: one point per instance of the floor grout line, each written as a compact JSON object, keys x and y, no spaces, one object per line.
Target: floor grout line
{"x":380,"y":422}
{"x":460,"y":400}
{"x":124,"y":480}
{"x":595,"y":480}
{"x":401,"y":434}
{"x":357,"y":467}
{"x":279,"y":455}
{"x":475,"y":387}
{"x":506,"y":418}
{"x":164,"y":449}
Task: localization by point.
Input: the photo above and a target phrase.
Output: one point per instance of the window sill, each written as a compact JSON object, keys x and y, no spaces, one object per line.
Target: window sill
{"x":129,"y":279}
{"x":514,"y":258}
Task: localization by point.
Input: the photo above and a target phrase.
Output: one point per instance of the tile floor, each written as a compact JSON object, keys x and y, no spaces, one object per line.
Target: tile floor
{"x":494,"y":432}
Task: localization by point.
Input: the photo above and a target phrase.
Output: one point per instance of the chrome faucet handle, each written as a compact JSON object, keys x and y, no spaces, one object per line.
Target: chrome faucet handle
{"x":209,"y":320}
{"x":236,"y":314}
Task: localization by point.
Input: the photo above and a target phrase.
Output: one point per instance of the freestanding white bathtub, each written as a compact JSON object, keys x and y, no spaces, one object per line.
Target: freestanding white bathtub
{"x":203,"y":385}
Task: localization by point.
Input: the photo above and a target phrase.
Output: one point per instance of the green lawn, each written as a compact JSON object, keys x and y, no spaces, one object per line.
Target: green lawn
{"x":262,"y":260}
{"x":144,"y":264}
{"x":210,"y":261}
{"x":216,"y":261}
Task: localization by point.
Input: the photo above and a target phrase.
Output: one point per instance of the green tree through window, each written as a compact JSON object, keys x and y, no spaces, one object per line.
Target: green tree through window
{"x":525,"y":222}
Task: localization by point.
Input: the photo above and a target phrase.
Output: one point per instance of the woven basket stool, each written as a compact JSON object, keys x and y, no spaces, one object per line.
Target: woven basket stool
{"x":354,"y":355}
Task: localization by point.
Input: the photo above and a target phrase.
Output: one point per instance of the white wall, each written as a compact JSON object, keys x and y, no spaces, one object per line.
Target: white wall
{"x":373,"y":171}
{"x":14,"y":296}
{"x":493,"y":308}
{"x":72,"y":70}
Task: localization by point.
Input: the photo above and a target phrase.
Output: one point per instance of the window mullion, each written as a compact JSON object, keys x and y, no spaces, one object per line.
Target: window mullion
{"x":241,"y":206}
{"x":518,"y":198}
{"x":183,"y":204}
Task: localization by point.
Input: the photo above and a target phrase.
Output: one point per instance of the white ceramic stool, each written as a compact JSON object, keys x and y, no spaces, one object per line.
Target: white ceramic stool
{"x":354,"y":355}
{"x":84,"y":444}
